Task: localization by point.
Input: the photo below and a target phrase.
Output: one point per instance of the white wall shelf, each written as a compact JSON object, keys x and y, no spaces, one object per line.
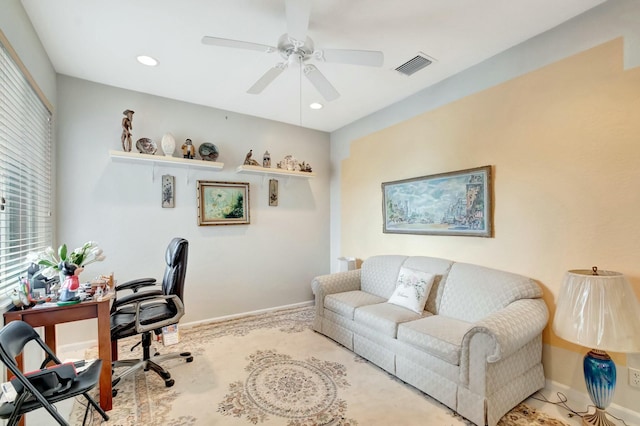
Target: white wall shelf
{"x":257,"y":170}
{"x":134,"y":157}
{"x":162,"y":160}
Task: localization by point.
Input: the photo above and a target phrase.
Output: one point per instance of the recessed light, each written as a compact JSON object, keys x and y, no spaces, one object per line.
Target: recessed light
{"x":316,"y":105}
{"x":147,"y":60}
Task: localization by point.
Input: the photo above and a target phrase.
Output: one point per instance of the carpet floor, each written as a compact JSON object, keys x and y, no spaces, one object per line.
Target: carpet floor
{"x":272,"y":369}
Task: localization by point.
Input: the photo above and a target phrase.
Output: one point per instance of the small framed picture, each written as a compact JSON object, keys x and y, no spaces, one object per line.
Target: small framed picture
{"x":273,"y":192}
{"x":168,"y":194}
{"x":223,"y":203}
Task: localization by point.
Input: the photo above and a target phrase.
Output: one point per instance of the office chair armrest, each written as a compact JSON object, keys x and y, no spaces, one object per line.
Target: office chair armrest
{"x":141,"y":328}
{"x":134,"y":298}
{"x":135,"y":285}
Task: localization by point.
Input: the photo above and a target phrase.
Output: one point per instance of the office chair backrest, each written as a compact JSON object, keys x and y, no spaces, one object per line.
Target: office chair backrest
{"x":13,"y":337}
{"x":174,"y":274}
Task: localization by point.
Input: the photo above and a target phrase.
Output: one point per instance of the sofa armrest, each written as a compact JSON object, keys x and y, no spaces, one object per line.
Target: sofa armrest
{"x":510,"y":328}
{"x":334,"y":283}
{"x":500,"y":335}
{"x":497,"y":338}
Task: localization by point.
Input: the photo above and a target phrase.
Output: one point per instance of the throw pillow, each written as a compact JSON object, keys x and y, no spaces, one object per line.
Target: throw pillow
{"x":412,"y":289}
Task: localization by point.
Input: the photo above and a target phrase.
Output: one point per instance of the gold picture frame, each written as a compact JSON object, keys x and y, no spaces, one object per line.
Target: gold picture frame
{"x":223,"y":203}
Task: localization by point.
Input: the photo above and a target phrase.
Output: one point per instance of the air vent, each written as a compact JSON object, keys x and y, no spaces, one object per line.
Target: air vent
{"x":415,"y":64}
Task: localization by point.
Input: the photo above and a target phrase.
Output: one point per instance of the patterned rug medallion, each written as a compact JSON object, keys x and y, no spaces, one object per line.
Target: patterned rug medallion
{"x":272,"y":369}
{"x":306,"y":392}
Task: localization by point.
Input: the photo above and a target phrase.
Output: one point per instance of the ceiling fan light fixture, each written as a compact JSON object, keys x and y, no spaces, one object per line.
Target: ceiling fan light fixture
{"x":316,"y":105}
{"x":147,"y":60}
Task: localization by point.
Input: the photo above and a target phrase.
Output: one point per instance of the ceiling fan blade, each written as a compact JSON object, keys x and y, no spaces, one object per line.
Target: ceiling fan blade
{"x":321,"y":83}
{"x":298,"y":12}
{"x":267,"y":78}
{"x":369,"y":58}
{"x":224,"y":42}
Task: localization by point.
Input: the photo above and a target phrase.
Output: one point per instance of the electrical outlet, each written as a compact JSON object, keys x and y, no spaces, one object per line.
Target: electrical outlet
{"x":634,"y":377}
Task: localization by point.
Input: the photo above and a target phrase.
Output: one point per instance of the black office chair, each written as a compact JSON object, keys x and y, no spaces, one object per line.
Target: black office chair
{"x":42,"y":388}
{"x":146,"y":312}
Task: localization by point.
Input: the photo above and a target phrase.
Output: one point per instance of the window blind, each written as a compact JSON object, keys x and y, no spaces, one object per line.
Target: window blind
{"x":25,"y":171}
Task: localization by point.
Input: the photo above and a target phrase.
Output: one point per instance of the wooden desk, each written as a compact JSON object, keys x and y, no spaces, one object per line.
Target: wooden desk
{"x":49,"y":317}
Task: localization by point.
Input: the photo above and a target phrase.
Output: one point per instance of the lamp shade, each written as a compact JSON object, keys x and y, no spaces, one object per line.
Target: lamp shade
{"x":598,"y":311}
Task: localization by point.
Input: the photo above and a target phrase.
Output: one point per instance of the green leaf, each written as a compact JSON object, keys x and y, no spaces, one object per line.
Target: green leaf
{"x":62,"y":252}
{"x":46,"y":263}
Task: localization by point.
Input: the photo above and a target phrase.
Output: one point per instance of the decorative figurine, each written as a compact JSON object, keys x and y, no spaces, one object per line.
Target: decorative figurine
{"x":290,"y":163}
{"x":127,"y":125}
{"x":188,"y":150}
{"x":266,"y":160}
{"x":250,"y":161}
{"x":71,"y":282}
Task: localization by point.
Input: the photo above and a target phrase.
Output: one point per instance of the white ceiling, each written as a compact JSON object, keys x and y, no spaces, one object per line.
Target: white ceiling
{"x":99,"y":41}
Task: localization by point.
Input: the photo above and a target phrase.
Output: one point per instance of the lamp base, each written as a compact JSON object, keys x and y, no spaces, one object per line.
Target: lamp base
{"x":599,"y":418}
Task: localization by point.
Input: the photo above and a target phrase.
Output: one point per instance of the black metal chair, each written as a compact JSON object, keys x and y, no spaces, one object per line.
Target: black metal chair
{"x":42,"y":388}
{"x":146,"y":312}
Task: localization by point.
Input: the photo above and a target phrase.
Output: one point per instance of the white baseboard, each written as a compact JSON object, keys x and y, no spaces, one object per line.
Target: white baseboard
{"x":245,"y":314}
{"x":579,"y":401}
{"x":82,"y":346}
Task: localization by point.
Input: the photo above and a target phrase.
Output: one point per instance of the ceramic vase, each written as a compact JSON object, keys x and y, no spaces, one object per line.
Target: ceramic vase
{"x":168,"y":144}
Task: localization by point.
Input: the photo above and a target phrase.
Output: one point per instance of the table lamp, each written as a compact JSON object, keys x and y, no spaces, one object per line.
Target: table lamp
{"x":599,"y":310}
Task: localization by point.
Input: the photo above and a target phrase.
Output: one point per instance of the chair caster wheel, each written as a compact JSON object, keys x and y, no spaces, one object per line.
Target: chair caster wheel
{"x":114,"y":392}
{"x":169,"y":383}
{"x":189,"y":359}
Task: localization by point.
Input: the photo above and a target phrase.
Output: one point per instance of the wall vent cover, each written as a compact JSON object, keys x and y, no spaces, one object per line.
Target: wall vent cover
{"x":415,"y":64}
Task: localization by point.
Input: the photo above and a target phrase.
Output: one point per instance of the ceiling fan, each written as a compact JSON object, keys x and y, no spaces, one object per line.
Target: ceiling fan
{"x":296,"y":48}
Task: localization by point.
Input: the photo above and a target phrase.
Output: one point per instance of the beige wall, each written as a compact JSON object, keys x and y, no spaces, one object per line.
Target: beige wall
{"x":564,"y":143}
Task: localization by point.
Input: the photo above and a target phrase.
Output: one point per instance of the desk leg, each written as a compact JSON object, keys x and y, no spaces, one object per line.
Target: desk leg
{"x":50,"y":338}
{"x":104,"y":350}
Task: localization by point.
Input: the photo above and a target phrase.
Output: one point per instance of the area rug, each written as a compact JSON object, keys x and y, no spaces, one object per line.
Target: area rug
{"x":273,"y":370}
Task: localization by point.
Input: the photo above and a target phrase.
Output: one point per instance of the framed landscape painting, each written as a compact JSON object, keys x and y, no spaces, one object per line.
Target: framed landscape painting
{"x":454,"y":203}
{"x":223,"y":203}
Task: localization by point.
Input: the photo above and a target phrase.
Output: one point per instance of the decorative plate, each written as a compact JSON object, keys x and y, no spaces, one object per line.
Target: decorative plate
{"x":146,"y":146}
{"x":208,"y":151}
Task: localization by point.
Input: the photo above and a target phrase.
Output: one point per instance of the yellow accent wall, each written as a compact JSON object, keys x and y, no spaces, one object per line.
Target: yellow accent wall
{"x":564,"y":144}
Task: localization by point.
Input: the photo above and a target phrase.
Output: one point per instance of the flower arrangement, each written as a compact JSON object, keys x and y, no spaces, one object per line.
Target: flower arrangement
{"x":80,"y":257}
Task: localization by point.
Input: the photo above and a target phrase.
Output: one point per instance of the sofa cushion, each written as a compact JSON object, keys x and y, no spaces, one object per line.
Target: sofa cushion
{"x":385,"y":317}
{"x":379,"y":274}
{"x":439,"y":267}
{"x":412,"y":289}
{"x":345,"y":303}
{"x":473,"y":292}
{"x":437,"y":335}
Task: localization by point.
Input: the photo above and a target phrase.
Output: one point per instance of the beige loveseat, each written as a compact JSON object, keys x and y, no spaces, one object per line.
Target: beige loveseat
{"x":476,"y":347}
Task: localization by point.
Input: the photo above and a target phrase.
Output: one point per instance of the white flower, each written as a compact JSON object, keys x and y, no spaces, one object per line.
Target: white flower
{"x":49,"y":272}
{"x":33,"y":257}
{"x":52,"y":260}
